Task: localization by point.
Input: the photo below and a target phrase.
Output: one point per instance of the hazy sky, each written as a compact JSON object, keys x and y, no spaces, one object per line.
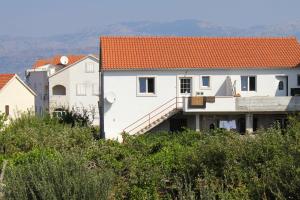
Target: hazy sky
{"x":48,"y":17}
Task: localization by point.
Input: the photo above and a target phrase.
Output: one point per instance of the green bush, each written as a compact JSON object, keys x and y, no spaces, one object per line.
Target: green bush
{"x":67,"y":177}
{"x":50,"y":160}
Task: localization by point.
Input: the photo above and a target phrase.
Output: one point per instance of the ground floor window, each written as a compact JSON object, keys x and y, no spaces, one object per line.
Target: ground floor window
{"x":7,"y":110}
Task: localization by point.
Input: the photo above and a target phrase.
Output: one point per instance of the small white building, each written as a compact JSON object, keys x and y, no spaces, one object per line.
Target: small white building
{"x":15,"y":96}
{"x":37,"y":77}
{"x":76,"y":87}
{"x":66,"y":82}
{"x":165,"y":83}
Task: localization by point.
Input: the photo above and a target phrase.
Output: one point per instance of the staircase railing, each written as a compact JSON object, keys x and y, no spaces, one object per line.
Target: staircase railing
{"x":173,"y":104}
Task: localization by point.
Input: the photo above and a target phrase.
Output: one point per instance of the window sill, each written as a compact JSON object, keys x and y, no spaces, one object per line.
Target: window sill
{"x":205,"y":88}
{"x":146,"y":95}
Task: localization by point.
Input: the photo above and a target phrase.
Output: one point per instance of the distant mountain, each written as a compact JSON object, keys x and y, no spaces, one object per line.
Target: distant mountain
{"x":18,"y":53}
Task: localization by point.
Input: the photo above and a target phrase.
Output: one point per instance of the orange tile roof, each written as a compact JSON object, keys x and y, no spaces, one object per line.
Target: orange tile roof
{"x":4,"y":78}
{"x":55,"y":60}
{"x":127,"y":53}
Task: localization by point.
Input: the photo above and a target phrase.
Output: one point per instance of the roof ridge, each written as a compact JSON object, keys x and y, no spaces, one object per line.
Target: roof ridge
{"x":194,"y":37}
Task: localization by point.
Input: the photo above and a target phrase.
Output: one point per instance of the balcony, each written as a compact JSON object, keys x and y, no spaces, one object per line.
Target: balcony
{"x":216,"y":104}
{"x":225,"y":104}
{"x":265,"y":104}
{"x":57,"y":101}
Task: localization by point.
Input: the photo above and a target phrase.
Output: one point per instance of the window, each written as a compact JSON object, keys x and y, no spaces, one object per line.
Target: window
{"x":59,"y":90}
{"x":280,"y":85}
{"x":205,"y":81}
{"x":81,"y":89}
{"x":298,"y":79}
{"x":95,"y":89}
{"x":89,"y":67}
{"x":147,"y":85}
{"x":252,"y":83}
{"x":6,"y":110}
{"x":244,"y":83}
{"x":248,"y":83}
{"x":185,"y":85}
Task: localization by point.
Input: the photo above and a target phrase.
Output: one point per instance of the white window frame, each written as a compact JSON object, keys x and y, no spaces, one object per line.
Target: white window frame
{"x":248,"y":77}
{"x":87,"y":69}
{"x":146,"y":94}
{"x":203,"y":87}
{"x":77,"y":89}
{"x":191,"y":84}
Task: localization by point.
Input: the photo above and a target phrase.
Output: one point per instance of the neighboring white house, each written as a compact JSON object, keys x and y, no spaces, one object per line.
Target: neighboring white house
{"x":164,"y":83}
{"x":76,"y":86}
{"x":15,"y":96}
{"x":66,"y":82}
{"x":38,"y":77}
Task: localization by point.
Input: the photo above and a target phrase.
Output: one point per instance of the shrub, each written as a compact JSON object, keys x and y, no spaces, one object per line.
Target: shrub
{"x":67,"y":178}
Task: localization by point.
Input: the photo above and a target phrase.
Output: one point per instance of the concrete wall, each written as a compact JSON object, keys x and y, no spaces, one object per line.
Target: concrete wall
{"x":17,"y":97}
{"x":130,"y":106}
{"x":38,"y":82}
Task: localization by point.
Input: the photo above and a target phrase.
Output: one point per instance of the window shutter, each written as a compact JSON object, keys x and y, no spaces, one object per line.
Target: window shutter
{"x":7,"y":110}
{"x":81,"y":89}
{"x":89,"y":68}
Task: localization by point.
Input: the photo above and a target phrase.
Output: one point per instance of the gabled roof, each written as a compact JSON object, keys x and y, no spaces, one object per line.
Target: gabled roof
{"x":140,"y":53}
{"x":71,"y":65}
{"x":55,"y":60}
{"x":4,"y":79}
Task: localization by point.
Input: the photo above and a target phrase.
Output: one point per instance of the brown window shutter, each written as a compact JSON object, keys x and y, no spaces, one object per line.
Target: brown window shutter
{"x":7,"y":110}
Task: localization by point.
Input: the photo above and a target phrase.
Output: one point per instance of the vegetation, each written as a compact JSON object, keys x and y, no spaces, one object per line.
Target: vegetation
{"x":48,"y":159}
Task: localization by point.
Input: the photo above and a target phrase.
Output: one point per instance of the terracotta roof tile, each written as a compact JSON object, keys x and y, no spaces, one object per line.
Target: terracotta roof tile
{"x":55,"y":60}
{"x":4,"y":78}
{"x":127,"y":53}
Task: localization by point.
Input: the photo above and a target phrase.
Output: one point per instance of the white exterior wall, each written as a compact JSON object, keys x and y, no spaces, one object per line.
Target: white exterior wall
{"x":129,"y":106}
{"x":69,"y":78}
{"x":17,"y":97}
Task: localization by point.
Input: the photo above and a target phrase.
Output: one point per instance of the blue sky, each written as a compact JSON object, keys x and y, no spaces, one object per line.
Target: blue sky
{"x":49,"y":17}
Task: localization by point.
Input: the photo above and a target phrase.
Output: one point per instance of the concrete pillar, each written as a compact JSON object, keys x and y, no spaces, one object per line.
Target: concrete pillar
{"x":249,"y":123}
{"x":197,"y":118}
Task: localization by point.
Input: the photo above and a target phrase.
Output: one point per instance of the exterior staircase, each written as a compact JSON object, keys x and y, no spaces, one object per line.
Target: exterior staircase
{"x":155,"y":117}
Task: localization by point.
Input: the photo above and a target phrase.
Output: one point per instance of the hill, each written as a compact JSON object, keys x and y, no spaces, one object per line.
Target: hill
{"x":18,"y":53}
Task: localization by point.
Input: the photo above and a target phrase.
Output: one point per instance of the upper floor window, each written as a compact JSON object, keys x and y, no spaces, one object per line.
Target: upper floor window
{"x":59,"y":90}
{"x":89,"y":67}
{"x":146,"y":85}
{"x":205,"y":81}
{"x":80,"y":89}
{"x":298,"y":79}
{"x":248,"y":83}
{"x":185,"y":85}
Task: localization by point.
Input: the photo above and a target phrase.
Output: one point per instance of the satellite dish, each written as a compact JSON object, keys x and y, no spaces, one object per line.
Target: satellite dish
{"x":111,"y":98}
{"x":64,"y":60}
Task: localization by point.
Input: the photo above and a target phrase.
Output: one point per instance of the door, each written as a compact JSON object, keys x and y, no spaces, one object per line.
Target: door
{"x":282,"y":86}
{"x":177,"y":124}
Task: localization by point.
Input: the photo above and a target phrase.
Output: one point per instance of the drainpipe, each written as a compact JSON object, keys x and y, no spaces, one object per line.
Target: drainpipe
{"x":101,"y":97}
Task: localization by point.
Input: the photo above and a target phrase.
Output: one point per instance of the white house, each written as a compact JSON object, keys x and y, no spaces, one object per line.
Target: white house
{"x":15,"y":96}
{"x":77,"y":86}
{"x":165,"y":83}
{"x":37,"y":77}
{"x":71,"y":83}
